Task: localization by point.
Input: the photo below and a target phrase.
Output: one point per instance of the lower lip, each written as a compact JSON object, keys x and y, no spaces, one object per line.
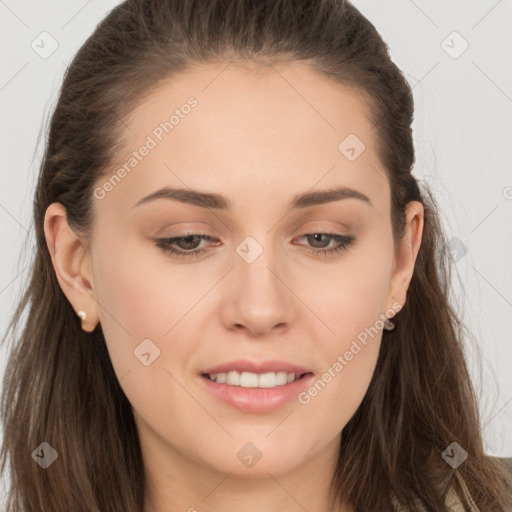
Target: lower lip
{"x":257,"y":399}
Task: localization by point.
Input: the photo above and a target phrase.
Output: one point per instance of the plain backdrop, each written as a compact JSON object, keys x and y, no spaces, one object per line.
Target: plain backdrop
{"x":457,"y":56}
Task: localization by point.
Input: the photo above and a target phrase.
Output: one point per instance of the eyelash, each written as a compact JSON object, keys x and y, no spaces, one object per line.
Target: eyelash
{"x":166,"y":245}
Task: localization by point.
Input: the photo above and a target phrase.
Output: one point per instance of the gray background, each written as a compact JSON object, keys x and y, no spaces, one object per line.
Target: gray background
{"x":462,"y":131}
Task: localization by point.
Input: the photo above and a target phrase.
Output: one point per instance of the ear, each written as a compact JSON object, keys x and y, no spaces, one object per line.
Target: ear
{"x":406,"y":253}
{"x":72,"y":264}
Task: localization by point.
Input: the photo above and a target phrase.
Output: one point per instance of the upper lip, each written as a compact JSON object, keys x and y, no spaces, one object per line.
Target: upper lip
{"x":246,"y":365}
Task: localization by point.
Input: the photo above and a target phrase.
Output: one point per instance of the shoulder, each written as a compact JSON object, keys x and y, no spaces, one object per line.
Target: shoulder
{"x":453,"y":500}
{"x":506,"y":462}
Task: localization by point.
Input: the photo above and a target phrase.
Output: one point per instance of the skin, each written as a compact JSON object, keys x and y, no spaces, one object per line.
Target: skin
{"x":260,"y":140}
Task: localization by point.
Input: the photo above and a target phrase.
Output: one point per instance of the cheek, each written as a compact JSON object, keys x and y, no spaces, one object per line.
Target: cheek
{"x":350,"y":296}
{"x":139,"y":303}
{"x":350,"y":304}
{"x":137,"y":288}
{"x":131,"y":301}
{"x":348,"y":361}
{"x":143,"y":296}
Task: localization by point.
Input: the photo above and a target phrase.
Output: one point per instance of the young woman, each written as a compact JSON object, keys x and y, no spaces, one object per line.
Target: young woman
{"x":226,"y":223}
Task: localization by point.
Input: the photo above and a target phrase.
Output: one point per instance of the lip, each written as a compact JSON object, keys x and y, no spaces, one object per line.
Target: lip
{"x":246,"y":365}
{"x":256,"y":400}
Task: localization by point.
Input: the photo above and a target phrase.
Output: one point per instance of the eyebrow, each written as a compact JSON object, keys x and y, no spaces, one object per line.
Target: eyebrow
{"x":220,"y":202}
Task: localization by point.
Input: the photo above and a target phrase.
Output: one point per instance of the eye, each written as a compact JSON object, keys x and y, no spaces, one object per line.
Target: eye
{"x":343,"y":241}
{"x":188,"y":244}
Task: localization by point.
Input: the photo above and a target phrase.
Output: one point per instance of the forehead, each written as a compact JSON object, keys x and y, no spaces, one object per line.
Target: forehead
{"x":283,"y":126}
{"x":256,"y":97}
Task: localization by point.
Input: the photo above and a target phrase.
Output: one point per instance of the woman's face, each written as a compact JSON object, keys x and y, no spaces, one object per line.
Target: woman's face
{"x":265,"y":144}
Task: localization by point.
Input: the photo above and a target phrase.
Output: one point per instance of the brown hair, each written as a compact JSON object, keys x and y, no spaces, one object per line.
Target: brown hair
{"x":60,"y":386}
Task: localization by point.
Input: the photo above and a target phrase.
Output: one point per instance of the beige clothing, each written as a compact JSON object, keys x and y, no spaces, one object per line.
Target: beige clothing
{"x":453,"y":500}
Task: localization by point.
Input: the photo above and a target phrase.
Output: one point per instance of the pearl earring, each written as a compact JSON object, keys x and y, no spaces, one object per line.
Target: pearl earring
{"x":82,"y":315}
{"x":389,"y":325}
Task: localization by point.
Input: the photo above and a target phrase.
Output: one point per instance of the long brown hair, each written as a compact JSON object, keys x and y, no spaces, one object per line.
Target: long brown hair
{"x":59,"y":384}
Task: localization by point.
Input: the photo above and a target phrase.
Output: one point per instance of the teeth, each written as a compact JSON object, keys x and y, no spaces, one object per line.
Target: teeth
{"x":253,"y":380}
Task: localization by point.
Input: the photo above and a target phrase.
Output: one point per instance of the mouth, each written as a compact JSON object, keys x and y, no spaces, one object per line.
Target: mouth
{"x":256,"y":392}
{"x":244,"y":379}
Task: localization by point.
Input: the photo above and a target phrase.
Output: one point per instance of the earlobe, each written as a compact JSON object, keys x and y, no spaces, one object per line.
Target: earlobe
{"x":70,"y":260}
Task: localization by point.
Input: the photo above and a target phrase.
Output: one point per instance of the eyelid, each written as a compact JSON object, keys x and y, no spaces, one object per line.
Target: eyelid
{"x":177,"y":230}
{"x":202,"y":231}
{"x":327,"y":226}
{"x":321,"y":230}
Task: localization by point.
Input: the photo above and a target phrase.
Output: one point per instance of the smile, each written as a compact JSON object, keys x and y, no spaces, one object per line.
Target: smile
{"x":256,"y":393}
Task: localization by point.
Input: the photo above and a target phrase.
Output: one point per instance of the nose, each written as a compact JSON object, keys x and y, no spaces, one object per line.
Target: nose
{"x":258,"y":298}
